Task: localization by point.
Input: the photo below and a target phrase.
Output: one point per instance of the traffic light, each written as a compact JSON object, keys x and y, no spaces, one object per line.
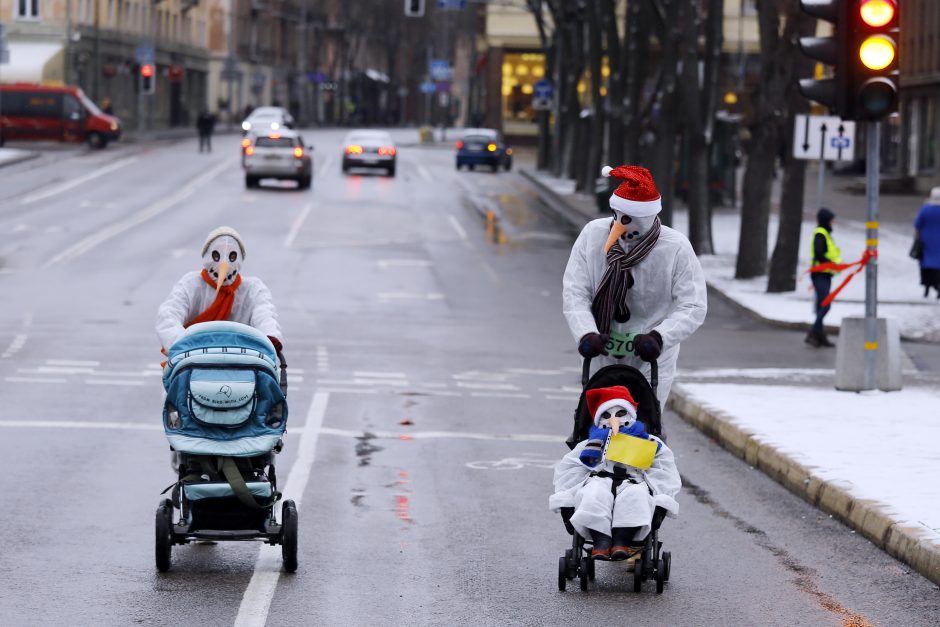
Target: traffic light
{"x":148,"y":79}
{"x":414,"y":8}
{"x":863,"y":53}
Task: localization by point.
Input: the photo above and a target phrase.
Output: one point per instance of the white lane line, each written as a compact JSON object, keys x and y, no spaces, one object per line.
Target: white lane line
{"x":81,"y":424}
{"x":334,"y":390}
{"x":445,"y":435}
{"x":19,"y":341}
{"x":425,"y":174}
{"x":299,"y":222}
{"x":33,"y":380}
{"x":562,"y":398}
{"x":461,"y":232}
{"x":384,"y":264}
{"x":113,"y":382}
{"x":54,"y":370}
{"x":360,"y":381}
{"x":486,"y":386}
{"x":373,"y":375}
{"x":569,"y":389}
{"x":256,"y":602}
{"x":58,"y":189}
{"x":77,"y":363}
{"x":410,"y":296}
{"x":499,"y":395}
{"x":534,"y":371}
{"x":145,"y":214}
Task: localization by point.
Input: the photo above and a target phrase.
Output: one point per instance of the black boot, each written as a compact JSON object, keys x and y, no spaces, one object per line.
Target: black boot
{"x":823,"y":340}
{"x":812,"y":339}
{"x":622,"y":539}
{"x":601,"y":550}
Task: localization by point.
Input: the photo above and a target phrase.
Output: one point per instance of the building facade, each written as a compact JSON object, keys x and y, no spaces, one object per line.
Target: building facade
{"x":913,"y":139}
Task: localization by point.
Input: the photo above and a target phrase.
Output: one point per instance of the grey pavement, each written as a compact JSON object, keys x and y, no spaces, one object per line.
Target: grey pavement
{"x":427,"y":309}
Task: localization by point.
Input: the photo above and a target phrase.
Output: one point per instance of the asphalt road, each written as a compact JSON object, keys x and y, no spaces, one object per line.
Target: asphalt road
{"x":420,"y":336}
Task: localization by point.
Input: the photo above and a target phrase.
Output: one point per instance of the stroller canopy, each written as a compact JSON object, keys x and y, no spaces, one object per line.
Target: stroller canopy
{"x":221,"y":343}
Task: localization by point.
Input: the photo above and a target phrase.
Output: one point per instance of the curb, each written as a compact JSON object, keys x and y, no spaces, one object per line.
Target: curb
{"x":869,"y":518}
{"x":555,"y":202}
{"x":27,"y":157}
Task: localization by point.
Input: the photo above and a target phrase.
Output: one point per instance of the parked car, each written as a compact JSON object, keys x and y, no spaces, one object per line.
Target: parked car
{"x":265,"y":119}
{"x":483,"y":146}
{"x":277,"y":155}
{"x":369,"y":149}
{"x":63,"y":113}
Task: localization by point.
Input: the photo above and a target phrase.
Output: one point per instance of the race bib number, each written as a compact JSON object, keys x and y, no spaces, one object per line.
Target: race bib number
{"x":620,"y":344}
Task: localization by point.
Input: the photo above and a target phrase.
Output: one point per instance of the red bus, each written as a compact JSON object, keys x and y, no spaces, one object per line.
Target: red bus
{"x":41,"y":112}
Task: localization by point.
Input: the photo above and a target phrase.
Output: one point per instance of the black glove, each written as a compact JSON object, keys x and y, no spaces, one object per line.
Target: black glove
{"x":593,"y":344}
{"x":648,"y":346}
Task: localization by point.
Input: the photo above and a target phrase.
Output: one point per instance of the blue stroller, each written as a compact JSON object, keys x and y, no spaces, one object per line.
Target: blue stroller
{"x":224,"y":415}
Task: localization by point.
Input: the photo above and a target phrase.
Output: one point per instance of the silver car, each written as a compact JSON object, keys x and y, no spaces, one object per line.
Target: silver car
{"x":266,"y":120}
{"x":369,"y":149}
{"x":277,"y":155}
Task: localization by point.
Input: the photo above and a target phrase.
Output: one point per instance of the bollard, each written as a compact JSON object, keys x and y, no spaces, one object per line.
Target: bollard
{"x":851,"y":352}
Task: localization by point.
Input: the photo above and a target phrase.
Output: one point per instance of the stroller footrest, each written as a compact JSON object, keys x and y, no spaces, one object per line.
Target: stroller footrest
{"x":221,"y":489}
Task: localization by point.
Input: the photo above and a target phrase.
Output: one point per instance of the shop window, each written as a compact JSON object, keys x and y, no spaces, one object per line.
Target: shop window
{"x":27,"y":9}
{"x":927,"y":146}
{"x":520,"y":70}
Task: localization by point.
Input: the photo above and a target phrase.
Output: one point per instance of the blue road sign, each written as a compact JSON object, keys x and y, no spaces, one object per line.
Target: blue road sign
{"x":427,"y":87}
{"x":451,"y":5}
{"x":144,"y":54}
{"x":439,"y":69}
{"x":543,"y":90}
{"x":841,"y":142}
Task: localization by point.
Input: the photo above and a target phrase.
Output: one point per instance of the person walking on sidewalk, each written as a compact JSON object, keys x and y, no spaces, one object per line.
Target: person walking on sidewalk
{"x":927,"y":224}
{"x":633,"y":288}
{"x":205,"y":124}
{"x":823,"y":250}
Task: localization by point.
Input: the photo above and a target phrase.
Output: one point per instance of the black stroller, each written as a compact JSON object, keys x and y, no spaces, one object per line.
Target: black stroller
{"x":653,"y":562}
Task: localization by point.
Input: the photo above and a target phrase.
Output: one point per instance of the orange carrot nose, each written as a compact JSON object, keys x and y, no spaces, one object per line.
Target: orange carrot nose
{"x":615,"y":232}
{"x":614,"y":425}
{"x":223,"y":272}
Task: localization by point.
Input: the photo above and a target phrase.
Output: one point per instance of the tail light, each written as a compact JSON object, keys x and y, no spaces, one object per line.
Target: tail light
{"x":387,"y":151}
{"x":509,"y":151}
{"x":353,"y":150}
{"x":491,"y":147}
{"x":246,"y":142}
{"x":249,"y":150}
{"x":298,"y":152}
{"x":459,"y":145}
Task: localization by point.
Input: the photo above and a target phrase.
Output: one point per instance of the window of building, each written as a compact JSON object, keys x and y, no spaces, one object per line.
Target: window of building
{"x":27,"y":9}
{"x":927,"y":145}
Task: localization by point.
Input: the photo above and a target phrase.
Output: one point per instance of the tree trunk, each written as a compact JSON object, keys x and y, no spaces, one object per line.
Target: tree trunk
{"x":635,"y":63}
{"x":666,"y":126}
{"x":594,"y":142}
{"x":755,"y":204}
{"x":615,"y":138}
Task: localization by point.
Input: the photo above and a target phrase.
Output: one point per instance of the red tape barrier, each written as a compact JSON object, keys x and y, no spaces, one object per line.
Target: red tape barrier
{"x":839,"y":267}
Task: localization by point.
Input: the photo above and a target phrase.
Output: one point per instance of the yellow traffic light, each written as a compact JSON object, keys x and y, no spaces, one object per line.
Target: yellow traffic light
{"x":877,"y":52}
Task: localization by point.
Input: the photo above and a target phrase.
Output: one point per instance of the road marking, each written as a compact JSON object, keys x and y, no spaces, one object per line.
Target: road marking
{"x":562,"y":398}
{"x":54,"y":370}
{"x":72,"y":362}
{"x":256,"y":602}
{"x":19,"y":340}
{"x":33,"y":380}
{"x":360,"y":381}
{"x":461,"y":232}
{"x":384,"y":264}
{"x":334,"y":390}
{"x":532,"y":371}
{"x":425,"y":174}
{"x":112,"y":382}
{"x":445,"y":435}
{"x":499,"y":395}
{"x":58,"y":189}
{"x":486,"y":386}
{"x":116,"y":228}
{"x":394,"y":375}
{"x":295,"y":227}
{"x":410,"y":296}
{"x":81,"y":424}
{"x":562,"y":390}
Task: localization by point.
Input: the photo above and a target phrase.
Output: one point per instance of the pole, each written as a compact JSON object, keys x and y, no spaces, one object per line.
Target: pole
{"x":872,"y":166}
{"x":821,"y":184}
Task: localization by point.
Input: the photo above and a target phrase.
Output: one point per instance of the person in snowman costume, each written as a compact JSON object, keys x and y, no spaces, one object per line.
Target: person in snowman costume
{"x":219,"y":292}
{"x":614,"y":502}
{"x":633,"y":289}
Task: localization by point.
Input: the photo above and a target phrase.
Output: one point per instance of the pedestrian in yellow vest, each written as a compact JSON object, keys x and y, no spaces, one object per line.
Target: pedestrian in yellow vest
{"x":823,"y":250}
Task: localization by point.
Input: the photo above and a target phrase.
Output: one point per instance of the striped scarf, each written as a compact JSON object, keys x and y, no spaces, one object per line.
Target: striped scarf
{"x":610,"y":299}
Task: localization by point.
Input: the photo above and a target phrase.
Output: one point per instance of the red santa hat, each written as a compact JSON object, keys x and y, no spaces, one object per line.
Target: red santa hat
{"x":600,"y":400}
{"x":637,"y":196}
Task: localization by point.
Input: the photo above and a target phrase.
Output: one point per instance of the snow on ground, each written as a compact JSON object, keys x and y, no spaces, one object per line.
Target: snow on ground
{"x":900,"y":295}
{"x":877,"y":445}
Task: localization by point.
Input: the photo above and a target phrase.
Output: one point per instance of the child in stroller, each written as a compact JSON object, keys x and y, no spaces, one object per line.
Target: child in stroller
{"x":617,"y":484}
{"x":224,"y":415}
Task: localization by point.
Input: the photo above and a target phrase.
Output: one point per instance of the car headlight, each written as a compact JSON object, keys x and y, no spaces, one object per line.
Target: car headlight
{"x":114,"y":126}
{"x":246,"y":126}
{"x":173,"y":417}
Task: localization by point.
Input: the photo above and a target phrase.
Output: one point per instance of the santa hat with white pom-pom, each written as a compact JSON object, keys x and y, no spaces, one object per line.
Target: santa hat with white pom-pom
{"x":637,"y":195}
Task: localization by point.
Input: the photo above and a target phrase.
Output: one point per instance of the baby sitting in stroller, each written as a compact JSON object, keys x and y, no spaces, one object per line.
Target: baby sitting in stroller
{"x":616,"y":482}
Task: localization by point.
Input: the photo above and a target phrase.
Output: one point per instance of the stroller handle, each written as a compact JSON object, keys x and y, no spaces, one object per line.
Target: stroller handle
{"x":283,"y":381}
{"x":654,"y":374}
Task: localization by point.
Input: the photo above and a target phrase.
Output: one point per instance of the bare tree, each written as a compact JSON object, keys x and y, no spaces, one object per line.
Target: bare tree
{"x":666,"y":104}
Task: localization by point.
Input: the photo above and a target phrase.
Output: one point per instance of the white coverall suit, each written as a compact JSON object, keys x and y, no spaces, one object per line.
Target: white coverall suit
{"x":668,"y":296}
{"x":594,"y":502}
{"x":192,"y":295}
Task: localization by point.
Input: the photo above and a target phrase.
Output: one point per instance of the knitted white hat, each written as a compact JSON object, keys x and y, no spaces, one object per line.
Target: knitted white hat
{"x":219,"y":232}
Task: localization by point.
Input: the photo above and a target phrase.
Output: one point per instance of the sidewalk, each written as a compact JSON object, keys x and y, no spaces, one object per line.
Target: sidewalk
{"x":869,"y":459}
{"x":10,"y":156}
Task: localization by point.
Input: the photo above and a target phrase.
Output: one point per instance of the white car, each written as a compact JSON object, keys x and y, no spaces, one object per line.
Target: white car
{"x":277,"y":155}
{"x":265,"y":119}
{"x":369,"y":149}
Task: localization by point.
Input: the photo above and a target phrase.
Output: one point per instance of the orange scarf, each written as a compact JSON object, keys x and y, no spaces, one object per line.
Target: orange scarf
{"x":221,"y":307}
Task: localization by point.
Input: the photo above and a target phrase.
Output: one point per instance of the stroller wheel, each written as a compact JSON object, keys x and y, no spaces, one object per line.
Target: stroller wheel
{"x":667,"y":564}
{"x":164,"y":536}
{"x":638,"y":576}
{"x":660,"y":576}
{"x":585,"y":573}
{"x":591,"y":569}
{"x":289,"y":536}
{"x":562,"y":573}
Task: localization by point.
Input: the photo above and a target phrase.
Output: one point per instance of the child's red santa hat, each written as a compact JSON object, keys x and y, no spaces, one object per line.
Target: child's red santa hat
{"x":600,"y":400}
{"x":637,"y":196}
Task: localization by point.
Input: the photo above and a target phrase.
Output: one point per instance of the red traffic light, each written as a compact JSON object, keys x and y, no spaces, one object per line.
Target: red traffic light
{"x":877,"y":13}
{"x":146,"y":70}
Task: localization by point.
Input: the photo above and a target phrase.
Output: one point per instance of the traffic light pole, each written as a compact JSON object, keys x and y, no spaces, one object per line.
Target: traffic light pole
{"x":873,"y":153}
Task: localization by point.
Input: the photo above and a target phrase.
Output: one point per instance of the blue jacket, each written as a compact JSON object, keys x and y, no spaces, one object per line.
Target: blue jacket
{"x":928,"y":227}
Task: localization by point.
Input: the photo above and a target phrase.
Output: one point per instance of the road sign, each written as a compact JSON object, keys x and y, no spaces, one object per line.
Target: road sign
{"x":427,"y":87}
{"x":451,"y":5}
{"x":144,"y":55}
{"x":824,"y":137}
{"x":443,"y":87}
{"x":440,"y":70}
{"x":543,"y":92}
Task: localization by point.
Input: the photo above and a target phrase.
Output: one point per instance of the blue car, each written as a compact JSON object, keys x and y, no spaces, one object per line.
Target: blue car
{"x":483,"y":146}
